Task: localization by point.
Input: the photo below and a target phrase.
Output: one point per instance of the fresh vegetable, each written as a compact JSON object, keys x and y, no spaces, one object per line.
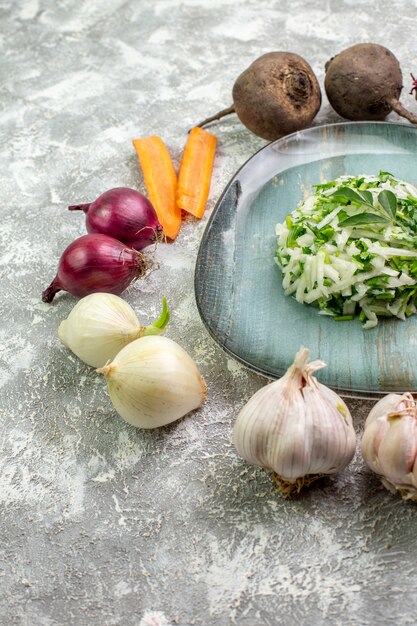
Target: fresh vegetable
{"x":153,"y":381}
{"x":276,"y":95}
{"x":101,"y":324}
{"x":413,"y":86}
{"x":296,"y":427}
{"x":351,"y":247}
{"x":195,"y":172}
{"x":95,"y":263}
{"x":389,"y":443}
{"x":160,"y":181}
{"x":364,"y":82}
{"x":124,"y":214}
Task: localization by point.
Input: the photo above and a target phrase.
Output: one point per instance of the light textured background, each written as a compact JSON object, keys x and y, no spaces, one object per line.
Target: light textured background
{"x":102,"y":524}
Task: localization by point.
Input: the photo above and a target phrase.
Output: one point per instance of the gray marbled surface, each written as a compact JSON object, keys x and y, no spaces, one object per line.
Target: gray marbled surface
{"x":102,"y":524}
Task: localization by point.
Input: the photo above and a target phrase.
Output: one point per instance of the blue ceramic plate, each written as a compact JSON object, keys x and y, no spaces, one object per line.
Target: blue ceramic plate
{"x":238,"y":284}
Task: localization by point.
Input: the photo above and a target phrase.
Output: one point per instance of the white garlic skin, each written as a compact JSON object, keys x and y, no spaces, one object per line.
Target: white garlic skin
{"x":389,"y":444}
{"x":153,"y":381}
{"x":295,"y":430}
{"x":385,"y":405}
{"x":98,"y":327}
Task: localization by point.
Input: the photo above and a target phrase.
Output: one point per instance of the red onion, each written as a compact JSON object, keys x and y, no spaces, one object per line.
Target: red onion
{"x":95,"y":263}
{"x":124,"y":214}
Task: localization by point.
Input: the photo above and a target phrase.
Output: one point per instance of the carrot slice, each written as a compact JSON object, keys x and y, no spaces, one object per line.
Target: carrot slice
{"x":195,"y":171}
{"x":160,"y":181}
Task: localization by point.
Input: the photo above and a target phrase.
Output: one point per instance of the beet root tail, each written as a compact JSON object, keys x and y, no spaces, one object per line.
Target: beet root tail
{"x":217,"y":116}
{"x":398,"y":108}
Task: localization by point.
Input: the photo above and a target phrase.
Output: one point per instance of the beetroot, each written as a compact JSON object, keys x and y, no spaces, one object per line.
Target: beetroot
{"x":364,"y":82}
{"x":276,"y":95}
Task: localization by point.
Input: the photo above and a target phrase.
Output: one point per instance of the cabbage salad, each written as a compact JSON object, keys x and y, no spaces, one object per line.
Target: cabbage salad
{"x":350,"y":248}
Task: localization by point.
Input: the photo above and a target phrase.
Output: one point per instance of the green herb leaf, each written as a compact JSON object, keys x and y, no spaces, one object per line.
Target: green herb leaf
{"x":360,"y":197}
{"x":409,"y":201}
{"x":295,"y":232}
{"x":386,"y":296}
{"x":367,"y":196}
{"x":342,"y":215}
{"x":347,"y":194}
{"x":328,"y":185}
{"x":388,"y":201}
{"x":377,"y":281}
{"x":383,"y":176}
{"x":364,"y":218}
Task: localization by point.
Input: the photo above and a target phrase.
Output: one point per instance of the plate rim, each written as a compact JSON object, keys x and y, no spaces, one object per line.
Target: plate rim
{"x":347,"y":393}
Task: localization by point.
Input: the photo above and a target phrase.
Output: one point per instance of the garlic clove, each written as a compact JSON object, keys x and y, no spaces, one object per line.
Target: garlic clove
{"x":389,"y":445}
{"x":333,"y":416}
{"x":387,"y":404}
{"x":292,"y":452}
{"x":153,"y":381}
{"x":371,"y":441}
{"x":413,"y":478}
{"x":398,"y":448}
{"x":296,"y":427}
{"x":101,"y":324}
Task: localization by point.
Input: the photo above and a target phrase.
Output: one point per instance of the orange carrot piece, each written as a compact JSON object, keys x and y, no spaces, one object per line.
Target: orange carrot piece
{"x":195,"y":171}
{"x":160,"y":181}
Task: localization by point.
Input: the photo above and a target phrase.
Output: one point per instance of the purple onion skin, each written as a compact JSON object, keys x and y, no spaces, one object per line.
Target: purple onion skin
{"x":124,"y":214}
{"x":94,"y":263}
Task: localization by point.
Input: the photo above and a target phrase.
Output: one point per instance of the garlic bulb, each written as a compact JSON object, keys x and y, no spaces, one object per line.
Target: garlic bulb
{"x":101,"y":324}
{"x":153,"y":381}
{"x":387,"y":404}
{"x":389,"y":443}
{"x":296,"y":427}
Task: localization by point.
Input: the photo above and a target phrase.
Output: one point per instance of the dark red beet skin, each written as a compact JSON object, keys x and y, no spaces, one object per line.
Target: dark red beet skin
{"x":364,"y":82}
{"x":124,"y":214}
{"x":95,"y":263}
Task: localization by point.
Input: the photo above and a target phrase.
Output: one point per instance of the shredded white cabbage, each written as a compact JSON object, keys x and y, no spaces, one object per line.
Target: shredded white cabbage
{"x":351,"y":248}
